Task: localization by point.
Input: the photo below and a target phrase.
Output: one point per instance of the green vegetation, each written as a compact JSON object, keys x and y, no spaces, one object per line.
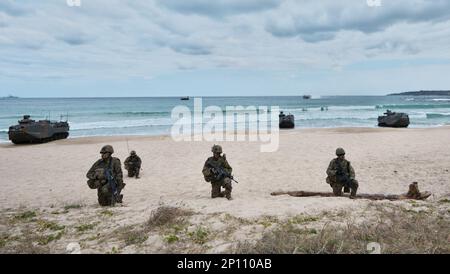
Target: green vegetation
{"x":135,"y":237}
{"x":396,"y":230}
{"x":199,"y":236}
{"x":26,"y":215}
{"x":167,"y":216}
{"x":106,"y":213}
{"x":303,"y":219}
{"x":85,"y":227}
{"x":72,"y":206}
{"x":171,"y":238}
{"x":114,"y":250}
{"x":49,"y":225}
{"x":46,"y":239}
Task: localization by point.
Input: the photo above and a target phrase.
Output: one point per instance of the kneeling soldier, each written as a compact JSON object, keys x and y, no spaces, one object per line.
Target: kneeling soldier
{"x":133,"y":164}
{"x":210,"y":173}
{"x":341,"y":174}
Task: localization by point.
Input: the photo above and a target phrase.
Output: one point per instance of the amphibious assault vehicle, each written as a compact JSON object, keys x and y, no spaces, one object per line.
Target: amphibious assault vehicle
{"x":393,"y":119}
{"x":286,"y":121}
{"x":29,"y":131}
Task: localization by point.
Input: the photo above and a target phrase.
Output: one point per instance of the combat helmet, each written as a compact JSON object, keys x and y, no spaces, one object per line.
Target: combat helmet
{"x":133,"y":153}
{"x":216,"y":149}
{"x":340,"y":151}
{"x":107,"y":149}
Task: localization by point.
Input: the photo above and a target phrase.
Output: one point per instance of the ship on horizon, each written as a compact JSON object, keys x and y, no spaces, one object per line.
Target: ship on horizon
{"x":9,"y":97}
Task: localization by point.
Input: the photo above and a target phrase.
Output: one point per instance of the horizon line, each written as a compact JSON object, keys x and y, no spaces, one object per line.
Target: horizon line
{"x":190,"y":97}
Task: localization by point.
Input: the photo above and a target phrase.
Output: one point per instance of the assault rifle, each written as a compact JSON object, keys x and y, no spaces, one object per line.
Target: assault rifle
{"x":115,"y":197}
{"x":219,"y":172}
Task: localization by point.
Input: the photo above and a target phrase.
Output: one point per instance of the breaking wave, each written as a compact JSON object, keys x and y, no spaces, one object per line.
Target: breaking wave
{"x":11,"y":117}
{"x":339,"y":108}
{"x":336,"y":119}
{"x":139,"y":113}
{"x":438,"y":115}
{"x":415,"y":106}
{"x":120,"y":124}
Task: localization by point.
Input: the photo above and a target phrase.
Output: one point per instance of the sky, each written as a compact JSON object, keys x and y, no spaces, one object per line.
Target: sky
{"x":96,"y":48}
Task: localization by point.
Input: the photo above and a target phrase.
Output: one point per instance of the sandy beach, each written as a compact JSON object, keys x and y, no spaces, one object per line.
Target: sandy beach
{"x":49,"y":177}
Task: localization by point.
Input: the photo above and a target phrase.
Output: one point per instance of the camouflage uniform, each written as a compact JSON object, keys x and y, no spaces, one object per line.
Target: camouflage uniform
{"x":217,"y":185}
{"x":98,"y":181}
{"x":348,"y":171}
{"x":133,"y":165}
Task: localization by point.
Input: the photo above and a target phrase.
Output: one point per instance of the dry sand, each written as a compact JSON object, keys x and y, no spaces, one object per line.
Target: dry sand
{"x":53,"y":175}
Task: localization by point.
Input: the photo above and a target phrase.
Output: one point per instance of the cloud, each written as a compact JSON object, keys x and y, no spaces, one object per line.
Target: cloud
{"x":11,"y":8}
{"x":316,"y":21}
{"x":191,"y":49}
{"x":23,"y":39}
{"x":186,"y":67}
{"x":218,"y":8}
{"x":74,"y":39}
{"x":318,"y":37}
{"x":389,"y":46}
{"x":184,"y":46}
{"x":122,"y":39}
{"x":3,"y":21}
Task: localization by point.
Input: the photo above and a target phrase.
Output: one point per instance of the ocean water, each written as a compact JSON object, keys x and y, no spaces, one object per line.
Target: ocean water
{"x":152,"y":116}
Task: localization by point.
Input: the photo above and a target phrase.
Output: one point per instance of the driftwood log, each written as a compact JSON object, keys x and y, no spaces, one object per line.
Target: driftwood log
{"x":413,"y":194}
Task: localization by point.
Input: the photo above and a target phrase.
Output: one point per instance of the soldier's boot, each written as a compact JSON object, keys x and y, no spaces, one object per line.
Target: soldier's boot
{"x":104,"y":200}
{"x":137,"y":173}
{"x":104,"y":196}
{"x":130,"y":173}
{"x":354,"y":189}
{"x":353,"y":193}
{"x":216,"y":190}
{"x":337,"y":189}
{"x":346,"y":189}
{"x":228,"y":188}
{"x":218,"y":195}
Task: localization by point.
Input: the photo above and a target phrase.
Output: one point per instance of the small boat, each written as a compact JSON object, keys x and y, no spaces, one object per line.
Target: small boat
{"x":184,"y":98}
{"x":286,"y":121}
{"x":393,"y":119}
{"x":306,"y":97}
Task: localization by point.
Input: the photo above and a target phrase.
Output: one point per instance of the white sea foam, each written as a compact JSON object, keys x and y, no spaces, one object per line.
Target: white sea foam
{"x":121,"y":124}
